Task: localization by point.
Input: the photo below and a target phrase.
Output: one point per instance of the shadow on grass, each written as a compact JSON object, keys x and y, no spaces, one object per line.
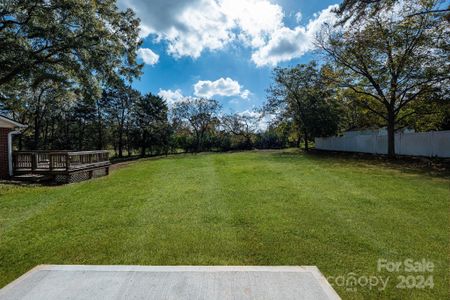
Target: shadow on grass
{"x":435,"y":167}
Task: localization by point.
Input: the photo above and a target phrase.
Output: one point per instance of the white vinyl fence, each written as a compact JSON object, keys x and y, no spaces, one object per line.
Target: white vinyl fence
{"x":431,"y":144}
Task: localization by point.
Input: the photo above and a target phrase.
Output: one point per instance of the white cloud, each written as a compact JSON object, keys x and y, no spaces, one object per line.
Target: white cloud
{"x":250,"y":113}
{"x":171,"y":97}
{"x":144,"y":31}
{"x":200,"y":26}
{"x":298,"y":16}
{"x":148,"y":56}
{"x":245,"y":94}
{"x":262,"y":122}
{"x":191,"y":27}
{"x":222,"y":87}
{"x":256,"y":19}
{"x":286,"y":43}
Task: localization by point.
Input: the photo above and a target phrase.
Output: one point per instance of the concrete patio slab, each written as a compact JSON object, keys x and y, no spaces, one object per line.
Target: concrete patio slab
{"x":174,"y":282}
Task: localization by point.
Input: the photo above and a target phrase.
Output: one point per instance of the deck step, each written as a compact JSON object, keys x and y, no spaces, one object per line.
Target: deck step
{"x":32,"y":178}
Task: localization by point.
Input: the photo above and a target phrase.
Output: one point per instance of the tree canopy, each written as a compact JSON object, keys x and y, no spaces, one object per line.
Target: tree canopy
{"x":201,"y":114}
{"x":301,"y":94}
{"x":86,"y":42}
{"x":356,"y":10}
{"x":392,"y":61}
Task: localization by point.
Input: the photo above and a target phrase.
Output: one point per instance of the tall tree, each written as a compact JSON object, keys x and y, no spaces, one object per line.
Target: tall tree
{"x":150,"y":114}
{"x":393,"y":60}
{"x":241,"y":125}
{"x":38,"y":106}
{"x":301,"y":94}
{"x":118,"y":101}
{"x":201,"y":114}
{"x":90,"y":41}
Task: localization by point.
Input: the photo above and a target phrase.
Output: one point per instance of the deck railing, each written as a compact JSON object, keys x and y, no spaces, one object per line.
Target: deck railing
{"x":58,"y":161}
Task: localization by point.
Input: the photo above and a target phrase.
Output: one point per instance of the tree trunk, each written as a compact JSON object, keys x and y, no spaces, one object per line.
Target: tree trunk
{"x":248,"y":142}
{"x":99,"y":126}
{"x":199,"y":142}
{"x":391,"y":133}
{"x":120,"y":148}
{"x":67,"y":139}
{"x":120,"y":143}
{"x":46,"y":134}
{"x":306,"y":142}
{"x":80,"y":136}
{"x":37,"y":133}
{"x":100,"y":135}
{"x":143,"y":144}
{"x":129,"y":150}
{"x":299,"y":139}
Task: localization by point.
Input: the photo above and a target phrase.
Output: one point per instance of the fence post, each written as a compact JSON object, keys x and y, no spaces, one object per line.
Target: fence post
{"x":67,"y":161}
{"x":33,"y":161}
{"x":50,"y":161}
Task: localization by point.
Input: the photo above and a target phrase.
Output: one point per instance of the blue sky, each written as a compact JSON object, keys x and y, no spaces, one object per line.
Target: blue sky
{"x":223,"y":49}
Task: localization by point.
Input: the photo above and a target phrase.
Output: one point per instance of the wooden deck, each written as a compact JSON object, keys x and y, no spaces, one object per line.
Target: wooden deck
{"x":65,"y":166}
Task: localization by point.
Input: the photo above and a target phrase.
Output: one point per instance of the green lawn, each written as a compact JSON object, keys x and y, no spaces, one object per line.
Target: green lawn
{"x":253,"y":208}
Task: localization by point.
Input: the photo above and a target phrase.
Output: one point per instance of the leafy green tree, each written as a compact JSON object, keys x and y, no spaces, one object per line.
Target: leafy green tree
{"x":118,"y":101}
{"x":37,"y":106}
{"x":427,"y":114}
{"x":88,"y":42}
{"x":201,"y":115}
{"x":392,"y":60}
{"x":243,"y":126}
{"x":83,"y":117}
{"x":301,"y":94}
{"x":182,"y":137}
{"x":150,"y":114}
{"x":355,"y":116}
{"x":273,"y":137}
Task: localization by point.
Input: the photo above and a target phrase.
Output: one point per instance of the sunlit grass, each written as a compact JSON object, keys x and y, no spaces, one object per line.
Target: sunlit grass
{"x":253,"y":208}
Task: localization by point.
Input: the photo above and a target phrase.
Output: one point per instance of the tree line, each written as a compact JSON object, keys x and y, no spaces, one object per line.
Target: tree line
{"x":67,"y":68}
{"x":124,"y":120}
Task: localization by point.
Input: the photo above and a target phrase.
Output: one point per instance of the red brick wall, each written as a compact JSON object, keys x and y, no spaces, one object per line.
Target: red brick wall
{"x":4,"y":153}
